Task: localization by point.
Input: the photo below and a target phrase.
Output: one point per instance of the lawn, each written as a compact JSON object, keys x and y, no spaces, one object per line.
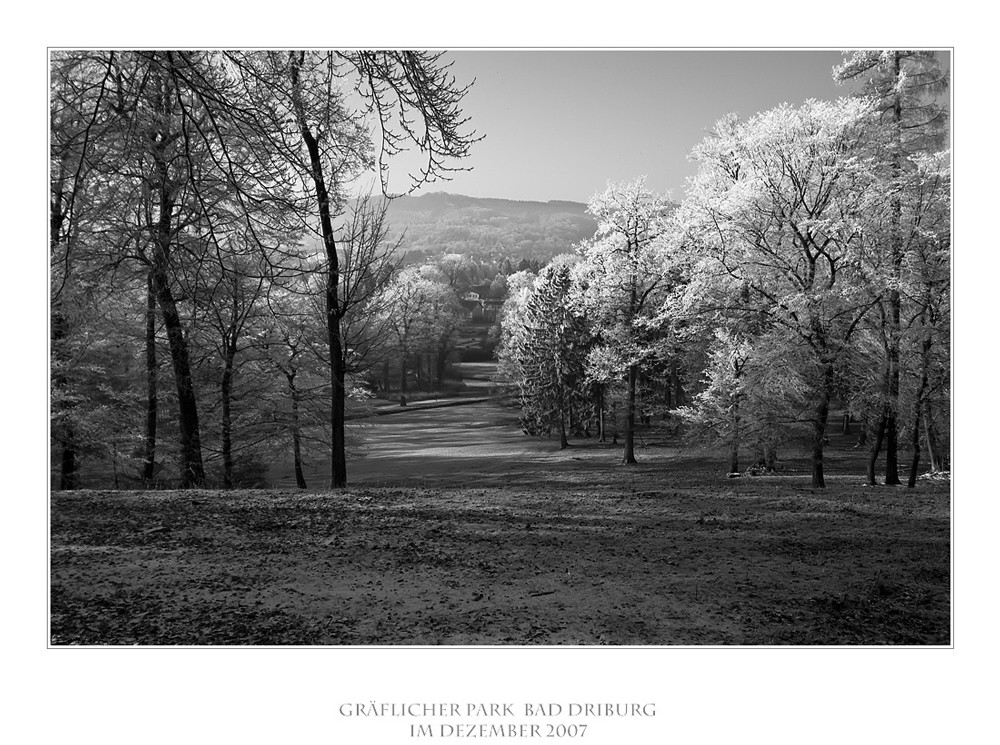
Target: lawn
{"x":459,"y":530}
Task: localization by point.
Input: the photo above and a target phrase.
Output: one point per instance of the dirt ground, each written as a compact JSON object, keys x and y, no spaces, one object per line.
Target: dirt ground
{"x":459,"y":530}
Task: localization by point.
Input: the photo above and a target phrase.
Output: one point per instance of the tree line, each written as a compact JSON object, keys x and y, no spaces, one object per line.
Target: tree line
{"x":201,"y":222}
{"x":807,"y":265}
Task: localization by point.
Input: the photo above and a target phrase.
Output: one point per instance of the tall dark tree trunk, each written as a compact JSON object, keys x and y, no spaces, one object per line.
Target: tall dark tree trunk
{"x":876,"y":447}
{"x":149,"y":446}
{"x":67,"y":445}
{"x":895,"y":303}
{"x":819,"y":426}
{"x":192,"y":467}
{"x":734,"y":443}
{"x":846,"y":427}
{"x":227,"y":416}
{"x":294,"y":426}
{"x":67,"y":440}
{"x":338,"y":456}
{"x":633,"y":376}
{"x":892,"y":407}
{"x":911,"y":481}
{"x":67,"y":462}
{"x":918,"y":409}
{"x":600,"y":413}
{"x":930,"y":436}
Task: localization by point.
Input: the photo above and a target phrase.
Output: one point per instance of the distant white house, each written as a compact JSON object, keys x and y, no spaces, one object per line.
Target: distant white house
{"x":474,"y":296}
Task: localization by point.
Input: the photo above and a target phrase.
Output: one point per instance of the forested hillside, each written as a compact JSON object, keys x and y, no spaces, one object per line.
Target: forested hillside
{"x":440,"y":223}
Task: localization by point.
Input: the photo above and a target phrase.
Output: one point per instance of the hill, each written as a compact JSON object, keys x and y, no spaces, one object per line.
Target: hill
{"x":440,"y":223}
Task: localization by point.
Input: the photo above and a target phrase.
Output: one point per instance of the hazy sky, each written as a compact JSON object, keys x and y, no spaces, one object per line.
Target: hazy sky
{"x":561,"y":124}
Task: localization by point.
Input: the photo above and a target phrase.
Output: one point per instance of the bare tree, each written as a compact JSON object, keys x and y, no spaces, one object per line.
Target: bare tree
{"x":415,"y":102}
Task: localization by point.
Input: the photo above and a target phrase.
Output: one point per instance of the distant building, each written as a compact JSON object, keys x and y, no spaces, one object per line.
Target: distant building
{"x":471,"y":308}
{"x":478,"y":305}
{"x":490,"y":307}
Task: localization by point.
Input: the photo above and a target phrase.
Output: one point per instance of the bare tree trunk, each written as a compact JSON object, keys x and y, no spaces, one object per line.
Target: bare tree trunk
{"x":734,"y":445}
{"x":192,"y":467}
{"x":892,"y":418}
{"x":338,"y":456}
{"x":876,"y":448}
{"x":918,"y":407}
{"x":600,"y":413}
{"x":149,"y":449}
{"x":67,"y":463}
{"x":227,"y":418}
{"x":915,"y":445}
{"x":67,"y":443}
{"x":300,"y":479}
{"x":819,"y":427}
{"x":895,"y":304}
{"x":629,"y":457}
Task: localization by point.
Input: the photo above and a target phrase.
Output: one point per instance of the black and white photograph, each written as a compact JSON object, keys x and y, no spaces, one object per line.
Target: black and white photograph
{"x":594,"y":372}
{"x":355,"y":347}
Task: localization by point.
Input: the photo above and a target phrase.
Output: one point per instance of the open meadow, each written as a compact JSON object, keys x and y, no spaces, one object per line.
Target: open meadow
{"x":458,"y":529}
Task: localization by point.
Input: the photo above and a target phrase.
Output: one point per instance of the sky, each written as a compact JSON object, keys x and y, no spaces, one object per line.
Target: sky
{"x":561,"y":124}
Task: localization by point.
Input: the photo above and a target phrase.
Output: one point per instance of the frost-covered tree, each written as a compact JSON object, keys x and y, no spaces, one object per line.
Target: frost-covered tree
{"x":776,"y":206}
{"x":752,"y":397}
{"x":623,"y":269}
{"x":163,"y":161}
{"x":420,"y":309}
{"x":543,"y":351}
{"x":409,"y":99}
{"x":908,"y":90}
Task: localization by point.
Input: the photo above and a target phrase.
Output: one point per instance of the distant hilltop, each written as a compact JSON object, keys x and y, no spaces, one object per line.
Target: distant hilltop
{"x":461,"y":200}
{"x":440,"y":222}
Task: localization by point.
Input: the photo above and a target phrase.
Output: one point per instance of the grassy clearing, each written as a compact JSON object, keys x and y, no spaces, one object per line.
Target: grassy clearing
{"x":541,"y":548}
